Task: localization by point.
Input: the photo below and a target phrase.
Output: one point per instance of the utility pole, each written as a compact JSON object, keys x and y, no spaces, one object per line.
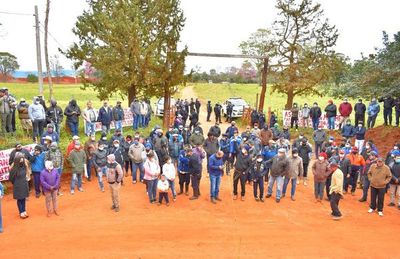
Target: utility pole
{"x":38,"y":51}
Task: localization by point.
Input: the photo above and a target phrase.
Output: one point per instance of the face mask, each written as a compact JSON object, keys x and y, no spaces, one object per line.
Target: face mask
{"x":300,"y":137}
{"x":367,"y":147}
{"x":259,"y":160}
{"x":135,"y":142}
{"x":341,"y":155}
{"x":244,"y":151}
{"x":315,"y":105}
{"x":255,"y":127}
{"x":347,"y":146}
{"x":197,"y":132}
{"x":37,"y":102}
{"x":319,"y":128}
{"x":105,"y":138}
{"x":77,"y":147}
{"x":395,"y":147}
{"x":360,"y":125}
{"x":321,"y":158}
{"x":116,"y":145}
{"x":295,"y":155}
{"x":169,"y":161}
{"x":53,"y":148}
{"x":101,"y":148}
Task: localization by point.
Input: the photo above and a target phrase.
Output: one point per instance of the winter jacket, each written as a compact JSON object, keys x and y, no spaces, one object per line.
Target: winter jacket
{"x":315,"y":112}
{"x":224,"y":145}
{"x":54,"y":137}
{"x":169,"y":171}
{"x":258,"y":171}
{"x":135,"y":108}
{"x":285,"y":134}
{"x":320,"y":171}
{"x":100,"y":158}
{"x":234,"y":145}
{"x":360,"y":108}
{"x":118,"y":153}
{"x":276,"y":133}
{"x":337,"y":182}
{"x":23,"y":111}
{"x":160,"y":142}
{"x":77,"y":159}
{"x":295,"y":112}
{"x":90,"y":115}
{"x":175,"y":148}
{"x":330,"y":110}
{"x":296,"y":167}
{"x":162,"y":186}
{"x":345,"y":165}
{"x":6,"y":104}
{"x":114,"y":173}
{"x":243,"y":163}
{"x":304,"y":152}
{"x":55,"y":156}
{"x":280,"y":166}
{"x":211,"y":146}
{"x":356,"y":160}
{"x":209,"y":107}
{"x":388,"y":102}
{"x":105,"y":115}
{"x":118,"y":113}
{"x":151,"y":170}
{"x":37,"y":162}
{"x":348,"y":131}
{"x":215,"y":131}
{"x":215,"y":164}
{"x":55,"y":114}
{"x":395,"y":169}
{"x":183,"y":165}
{"x":397,"y":104}
{"x":345,"y":109}
{"x":136,"y":152}
{"x":305,"y":112}
{"x":72,"y":111}
{"x":265,"y":136}
{"x":49,"y":180}
{"x":268,"y":153}
{"x":196,"y":139}
{"x":373,"y":109}
{"x":194,"y":165}
{"x":319,"y":136}
{"x":36,"y":112}
{"x":18,"y":175}
{"x":360,"y":133}
{"x":143,"y":109}
{"x":379,"y":177}
{"x":231,"y":131}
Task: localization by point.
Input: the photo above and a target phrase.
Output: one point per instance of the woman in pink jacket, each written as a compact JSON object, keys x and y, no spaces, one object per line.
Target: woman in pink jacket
{"x":151,"y":173}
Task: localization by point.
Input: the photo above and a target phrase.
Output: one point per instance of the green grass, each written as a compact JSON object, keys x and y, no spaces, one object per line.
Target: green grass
{"x":63,"y":94}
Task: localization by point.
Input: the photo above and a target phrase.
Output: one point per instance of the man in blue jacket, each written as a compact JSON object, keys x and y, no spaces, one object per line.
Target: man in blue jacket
{"x":348,"y":130}
{"x":105,"y":117}
{"x":268,"y":153}
{"x":234,"y":145}
{"x":215,"y":166}
{"x":183,"y":171}
{"x":373,"y":110}
{"x":118,"y":115}
{"x":51,"y":133}
{"x":37,"y":165}
{"x":359,"y":133}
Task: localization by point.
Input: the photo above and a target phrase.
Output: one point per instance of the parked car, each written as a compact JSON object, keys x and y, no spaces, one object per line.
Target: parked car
{"x":238,"y":106}
{"x":159,"y":110}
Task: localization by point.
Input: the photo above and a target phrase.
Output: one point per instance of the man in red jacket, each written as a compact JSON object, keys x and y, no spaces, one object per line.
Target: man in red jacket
{"x":345,"y":110}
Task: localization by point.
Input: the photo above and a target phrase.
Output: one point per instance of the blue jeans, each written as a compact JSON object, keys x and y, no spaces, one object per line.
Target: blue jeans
{"x":76,"y":178}
{"x":103,"y":171}
{"x":105,"y":128}
{"x":57,"y":127}
{"x":285,"y":184}
{"x":136,"y":122}
{"x":319,"y":190}
{"x":135,"y":166}
{"x":172,"y":186}
{"x":73,"y":126}
{"x":89,"y":128}
{"x":258,"y":184}
{"x":21,"y":205}
{"x":142,"y":121}
{"x":215,"y":181}
{"x":36,"y":181}
{"x":331,"y":123}
{"x":315,"y":123}
{"x":147,"y":120}
{"x":89,"y":165}
{"x":152,"y":189}
{"x":279,"y":183}
{"x":118,"y":125}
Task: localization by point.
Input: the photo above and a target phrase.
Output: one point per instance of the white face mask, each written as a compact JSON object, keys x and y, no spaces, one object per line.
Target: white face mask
{"x":101,"y":148}
{"x":259,"y":160}
{"x":295,"y":155}
{"x":321,"y":158}
{"x":300,"y":137}
{"x":395,"y":147}
{"x":367,"y":147}
{"x":341,"y":155}
{"x":169,"y":161}
{"x":116,"y":145}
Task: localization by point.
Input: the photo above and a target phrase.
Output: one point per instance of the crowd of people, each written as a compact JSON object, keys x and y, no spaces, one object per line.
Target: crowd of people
{"x":261,"y":156}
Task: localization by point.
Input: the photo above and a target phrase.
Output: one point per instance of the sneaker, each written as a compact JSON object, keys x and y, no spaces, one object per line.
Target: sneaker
{"x":213,"y":201}
{"x":218,"y":199}
{"x":72,"y":191}
{"x":80,"y":189}
{"x":336,"y":217}
{"x":268,"y":196}
{"x":292,"y":198}
{"x":362,"y":200}
{"x":167,"y":204}
{"x":234,"y":197}
{"x":305,"y":183}
{"x":298,"y":182}
{"x":193,"y":198}
{"x":370,"y":210}
{"x":112,"y":207}
{"x":102,"y":189}
{"x":242,"y":198}
{"x":278,"y":200}
{"x":380,"y":213}
{"x":159,"y":204}
{"x":37,"y":195}
{"x":116,"y":209}
{"x":262,"y":199}
{"x":180,"y":193}
{"x":283,"y":195}
{"x":60,"y":194}
{"x":391,"y":204}
{"x":257,"y":199}
{"x":56,"y":213}
{"x":133,"y":182}
{"x":174,"y":199}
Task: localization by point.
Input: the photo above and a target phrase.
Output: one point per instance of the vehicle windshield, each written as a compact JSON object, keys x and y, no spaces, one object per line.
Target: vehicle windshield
{"x":238,"y":102}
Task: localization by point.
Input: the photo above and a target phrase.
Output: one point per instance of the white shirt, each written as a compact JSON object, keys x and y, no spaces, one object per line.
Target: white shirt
{"x":169,"y":171}
{"x":162,"y":186}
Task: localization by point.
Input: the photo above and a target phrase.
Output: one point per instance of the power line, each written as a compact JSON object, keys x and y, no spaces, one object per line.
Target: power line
{"x":51,"y":36}
{"x":11,"y":13}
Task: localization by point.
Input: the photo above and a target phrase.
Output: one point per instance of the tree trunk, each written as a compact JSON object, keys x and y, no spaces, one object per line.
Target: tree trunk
{"x":131,"y":94}
{"x":167,"y":106}
{"x":46,"y":52}
{"x":264,"y":86}
{"x":290,"y":98}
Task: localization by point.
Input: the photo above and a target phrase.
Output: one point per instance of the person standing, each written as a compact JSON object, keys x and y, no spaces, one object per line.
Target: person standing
{"x":37,"y":165}
{"x":135,"y":109}
{"x":373,"y":156}
{"x":397,"y":110}
{"x":388,"y":104}
{"x":357,"y":165}
{"x":296,"y":169}
{"x":242,"y":167}
{"x":234,"y":148}
{"x":38,"y":117}
{"x":294,"y":120}
{"x":305,"y":115}
{"x":217,"y":112}
{"x":114,"y":179}
{"x":345,"y":109}
{"x":169,"y":171}
{"x":229,"y":111}
{"x":359,"y":133}
{"x":151,"y":173}
{"x":360,"y":109}
{"x":6,"y":111}
{"x":77,"y":159}
{"x":23,"y":116}
{"x":304,"y":151}
{"x":163,"y":186}
{"x":379,"y":176}
{"x":257,"y":173}
{"x":279,"y":168}
{"x":118,"y":115}
{"x":319,"y":137}
{"x":90,"y":117}
{"x":336,"y":190}
{"x":18,"y":177}
{"x":183,"y":172}
{"x":194,"y":168}
{"x":215,"y":130}
{"x":331,"y":113}
{"x":143,"y":112}
{"x":315,"y":115}
{"x":321,"y":172}
{"x":50,"y":134}
{"x":348,"y":131}
{"x":55,"y":115}
{"x":254,"y":117}
{"x":216,"y":166}
{"x":210,"y":146}
{"x":197,"y":104}
{"x":105,"y":117}
{"x":50,"y":181}
{"x":100,"y":164}
{"x":209,"y":110}
{"x":395,"y":181}
{"x":373,"y":110}
{"x":135,"y":154}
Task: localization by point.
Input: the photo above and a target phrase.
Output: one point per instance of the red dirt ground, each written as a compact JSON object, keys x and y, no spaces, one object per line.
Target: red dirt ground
{"x":87,"y":228}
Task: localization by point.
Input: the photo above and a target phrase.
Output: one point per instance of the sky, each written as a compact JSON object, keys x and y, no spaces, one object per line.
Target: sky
{"x":212,"y":26}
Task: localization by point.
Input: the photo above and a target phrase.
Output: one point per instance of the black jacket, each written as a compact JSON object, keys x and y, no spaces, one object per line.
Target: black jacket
{"x":304,"y":151}
{"x":360,"y":108}
{"x":209,"y":107}
{"x":194,"y":164}
{"x":331,"y":110}
{"x":345,"y":166}
{"x":315,"y":112}
{"x":243,"y":163}
{"x":215,"y":131}
{"x":54,"y":114}
{"x":280,"y":166}
{"x":388,"y":102}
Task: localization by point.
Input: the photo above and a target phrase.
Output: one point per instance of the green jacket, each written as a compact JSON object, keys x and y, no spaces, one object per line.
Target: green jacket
{"x":77,"y":158}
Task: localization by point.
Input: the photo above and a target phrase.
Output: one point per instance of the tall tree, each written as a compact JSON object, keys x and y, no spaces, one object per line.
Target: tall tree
{"x":300,"y":48}
{"x":46,"y":50}
{"x":132,"y":44}
{"x":8,"y":64}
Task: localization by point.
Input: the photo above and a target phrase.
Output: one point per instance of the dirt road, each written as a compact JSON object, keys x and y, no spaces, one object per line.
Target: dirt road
{"x":87,"y":228}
